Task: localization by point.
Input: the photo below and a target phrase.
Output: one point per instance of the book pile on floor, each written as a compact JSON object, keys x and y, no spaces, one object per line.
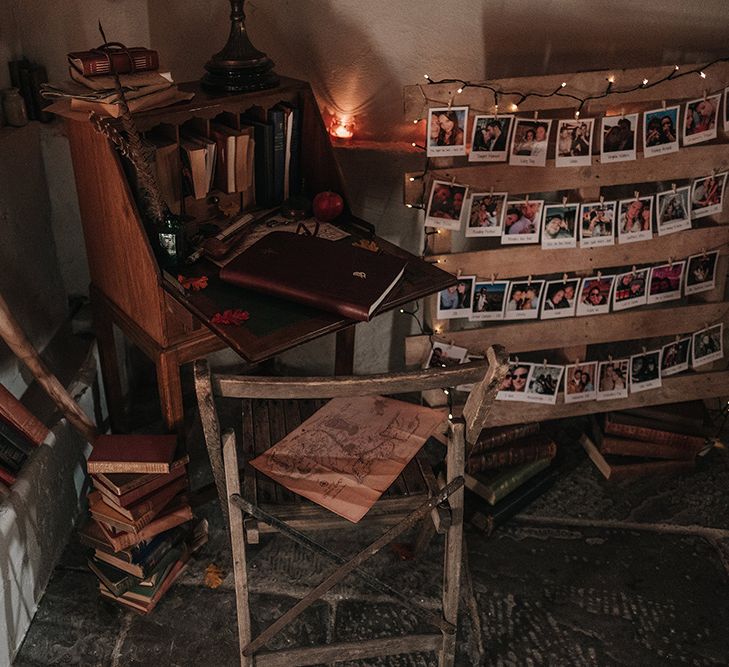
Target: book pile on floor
{"x":647,"y":441}
{"x":141,"y":526}
{"x":506,"y":469}
{"x":20,"y":433}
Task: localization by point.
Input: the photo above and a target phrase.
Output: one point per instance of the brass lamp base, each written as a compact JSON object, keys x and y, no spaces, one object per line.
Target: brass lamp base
{"x":239,"y":67}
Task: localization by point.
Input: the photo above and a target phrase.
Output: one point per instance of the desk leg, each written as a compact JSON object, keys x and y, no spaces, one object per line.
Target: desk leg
{"x":344,"y":355}
{"x":104,"y":330}
{"x":169,"y":386}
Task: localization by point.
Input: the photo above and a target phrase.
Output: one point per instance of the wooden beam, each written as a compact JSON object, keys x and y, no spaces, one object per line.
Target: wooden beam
{"x":553,"y":334}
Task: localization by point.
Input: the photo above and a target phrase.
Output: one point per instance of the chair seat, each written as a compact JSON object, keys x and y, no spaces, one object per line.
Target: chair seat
{"x":264,"y":423}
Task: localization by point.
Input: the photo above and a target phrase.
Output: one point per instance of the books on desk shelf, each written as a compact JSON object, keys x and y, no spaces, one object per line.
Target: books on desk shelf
{"x":333,"y":276}
{"x":234,"y":160}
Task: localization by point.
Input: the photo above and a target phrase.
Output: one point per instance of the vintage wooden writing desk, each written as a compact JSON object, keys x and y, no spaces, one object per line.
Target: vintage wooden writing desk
{"x":172,"y":327}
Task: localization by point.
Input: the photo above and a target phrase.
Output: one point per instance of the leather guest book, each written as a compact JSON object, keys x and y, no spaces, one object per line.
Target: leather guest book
{"x":114,"y":57}
{"x":330,"y":275}
{"x":132,"y":453}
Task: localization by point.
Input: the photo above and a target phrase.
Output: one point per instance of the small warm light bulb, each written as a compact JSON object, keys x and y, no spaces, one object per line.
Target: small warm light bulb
{"x":459,"y":91}
{"x":675,"y":68}
{"x":341,"y":128}
{"x":409,"y":205}
{"x":645,"y":82}
{"x":702,"y":75}
{"x":412,"y":178}
{"x":563,"y":84}
{"x":450,"y":415}
{"x":425,"y":76}
{"x":611,"y":78}
{"x":413,"y":144}
{"x":577,"y":114}
{"x":402,"y":310}
{"x":439,"y":231}
{"x":445,"y":391}
{"x":514,"y":107}
{"x":416,"y":121}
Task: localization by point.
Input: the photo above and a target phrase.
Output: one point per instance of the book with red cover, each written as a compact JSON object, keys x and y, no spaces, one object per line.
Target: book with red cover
{"x":627,"y":426}
{"x":131,"y":497}
{"x":114,"y":58}
{"x":499,"y":436}
{"x":330,"y":275}
{"x":154,"y":502}
{"x":122,"y":483}
{"x":132,"y":453}
{"x":7,"y":477}
{"x":14,"y":413}
{"x":520,"y":451}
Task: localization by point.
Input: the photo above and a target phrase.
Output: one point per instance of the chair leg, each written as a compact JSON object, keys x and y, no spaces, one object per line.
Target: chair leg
{"x":238,"y":548}
{"x":455,"y":464}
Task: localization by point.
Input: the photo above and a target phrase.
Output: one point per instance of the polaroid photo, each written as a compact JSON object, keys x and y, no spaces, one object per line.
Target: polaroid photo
{"x":594,"y":296}
{"x":618,"y":138}
{"x":664,"y":282}
{"x":675,"y":357}
{"x":445,"y":205}
{"x":597,"y":224}
{"x":530,"y":142}
{"x":522,"y":221}
{"x":447,"y":131}
{"x":635,"y":219}
{"x":514,"y":384}
{"x":574,"y":143}
{"x":708,"y":345}
{"x":485,"y":213}
{"x":612,"y":379}
{"x":522,"y":301}
{"x":489,"y":300}
{"x":701,"y":272}
{"x":707,"y":195}
{"x":443,"y":355}
{"x":455,"y":301}
{"x":490,"y":138}
{"x":660,"y":131}
{"x":645,"y":371}
{"x":559,"y":229}
{"x":580,"y":382}
{"x":543,"y":383}
{"x":469,"y":387}
{"x":630,"y":289}
{"x":673,"y":212}
{"x":560,"y":298}
{"x":700,"y":119}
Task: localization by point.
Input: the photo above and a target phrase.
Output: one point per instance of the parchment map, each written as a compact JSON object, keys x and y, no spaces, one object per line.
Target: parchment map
{"x":348,"y":453}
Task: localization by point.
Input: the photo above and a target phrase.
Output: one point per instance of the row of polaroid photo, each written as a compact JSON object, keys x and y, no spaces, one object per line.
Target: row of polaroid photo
{"x":525,"y":141}
{"x":596,"y":380}
{"x":484,"y":300}
{"x":593,"y":224}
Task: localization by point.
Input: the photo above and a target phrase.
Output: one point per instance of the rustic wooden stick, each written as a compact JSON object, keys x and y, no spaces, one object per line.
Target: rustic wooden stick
{"x":13,"y":335}
{"x":311,"y":544}
{"x":343,"y":570}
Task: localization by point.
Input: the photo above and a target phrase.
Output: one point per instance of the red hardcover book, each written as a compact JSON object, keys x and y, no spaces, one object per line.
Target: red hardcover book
{"x":521,"y":451}
{"x":131,"y":497}
{"x":7,"y":477}
{"x":330,"y":275}
{"x":617,"y":424}
{"x":152,"y":503}
{"x":651,"y":450}
{"x":13,"y":412}
{"x":114,"y":58}
{"x":123,"y":483}
{"x":503,"y":435}
{"x":132,"y":453}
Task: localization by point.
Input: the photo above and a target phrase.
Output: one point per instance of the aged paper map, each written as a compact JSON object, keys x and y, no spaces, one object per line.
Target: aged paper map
{"x":348,"y":453}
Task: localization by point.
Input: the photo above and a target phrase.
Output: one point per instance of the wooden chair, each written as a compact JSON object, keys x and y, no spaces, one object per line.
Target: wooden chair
{"x":272,"y":407}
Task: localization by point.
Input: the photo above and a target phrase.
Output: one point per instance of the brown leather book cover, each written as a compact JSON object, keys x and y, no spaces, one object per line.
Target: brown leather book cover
{"x":132,"y":453}
{"x":521,"y":451}
{"x":122,"y":483}
{"x":7,"y":477}
{"x":651,"y":450}
{"x":13,"y":412}
{"x":153,"y":483}
{"x":152,"y":503}
{"x":100,"y":511}
{"x":330,"y":275}
{"x":503,"y":435}
{"x":617,"y":424}
{"x":106,"y":60}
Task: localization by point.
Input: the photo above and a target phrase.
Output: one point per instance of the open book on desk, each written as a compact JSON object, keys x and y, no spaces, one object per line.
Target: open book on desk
{"x":336,"y":277}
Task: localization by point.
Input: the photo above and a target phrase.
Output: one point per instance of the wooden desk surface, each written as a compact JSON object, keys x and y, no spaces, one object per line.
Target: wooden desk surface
{"x":276,"y":325}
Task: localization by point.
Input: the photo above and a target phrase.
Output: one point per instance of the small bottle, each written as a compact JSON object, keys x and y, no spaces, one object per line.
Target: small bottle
{"x":171,"y":240}
{"x":14,"y":107}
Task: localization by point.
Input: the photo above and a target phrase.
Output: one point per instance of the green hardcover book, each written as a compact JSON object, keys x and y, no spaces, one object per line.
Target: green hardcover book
{"x":493,"y":488}
{"x":116,"y":580}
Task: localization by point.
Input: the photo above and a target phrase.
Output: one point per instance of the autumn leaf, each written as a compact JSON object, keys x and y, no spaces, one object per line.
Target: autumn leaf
{"x":232,"y":317}
{"x":195,"y":284}
{"x":367,"y":245}
{"x":213,"y":576}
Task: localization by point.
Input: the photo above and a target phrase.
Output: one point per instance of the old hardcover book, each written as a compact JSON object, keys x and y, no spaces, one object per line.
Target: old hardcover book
{"x":495,"y":487}
{"x":687,"y":415}
{"x":153,"y":503}
{"x":333,"y":276}
{"x":16,"y":414}
{"x":132,"y":453}
{"x":128,"y":498}
{"x":277,"y":118}
{"x":225,"y":156}
{"x":168,"y":168}
{"x":124,"y":483}
{"x":152,"y":100}
{"x":11,"y":458}
{"x":643,"y":448}
{"x":263,"y":161}
{"x":628,"y":427}
{"x":520,"y":451}
{"x":133,"y":80}
{"x":502,"y":435}
{"x":618,"y":468}
{"x":7,"y":477}
{"x":108,"y":60}
{"x":104,"y":513}
{"x":15,"y":438}
{"x":116,"y":580}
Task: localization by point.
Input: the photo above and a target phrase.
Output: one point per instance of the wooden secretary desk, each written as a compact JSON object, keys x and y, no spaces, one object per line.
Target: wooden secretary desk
{"x":171,"y":326}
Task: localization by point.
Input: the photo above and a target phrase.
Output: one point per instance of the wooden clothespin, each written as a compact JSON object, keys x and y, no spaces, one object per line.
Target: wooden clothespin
{"x":577,"y":361}
{"x":536,"y":115}
{"x":637,"y":194}
{"x":599,"y":275}
{"x":663,"y":104}
{"x":516,"y":359}
{"x":644,"y":349}
{"x":703,"y":253}
{"x":602,"y":199}
{"x":529,"y":280}
{"x":458,"y":274}
{"x":704,"y":94}
{"x":670,"y":262}
{"x":526,"y":199}
{"x":673,"y":187}
{"x":491,"y":190}
{"x":453,"y":179}
{"x":564,"y":278}
{"x":493,"y":278}
{"x":450,"y":102}
{"x":564,"y":200}
{"x":544,"y":361}
{"x":610,"y":357}
{"x":634,"y":270}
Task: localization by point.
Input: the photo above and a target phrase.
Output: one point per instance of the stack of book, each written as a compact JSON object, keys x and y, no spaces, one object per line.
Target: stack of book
{"x":141,"y":526}
{"x":647,"y":441}
{"x":506,"y":469}
{"x":20,"y":433}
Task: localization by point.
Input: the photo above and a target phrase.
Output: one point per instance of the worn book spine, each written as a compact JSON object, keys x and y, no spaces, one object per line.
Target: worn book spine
{"x":277,"y":118}
{"x":295,"y":184}
{"x":16,"y":414}
{"x":498,"y":437}
{"x":493,"y":490}
{"x":651,"y":434}
{"x":123,"y":483}
{"x":118,"y":582}
{"x":15,"y":438}
{"x":6,"y":477}
{"x":152,"y":505}
{"x":10,"y":456}
{"x":155,"y":527}
{"x":95,"y":467}
{"x":94,"y":63}
{"x":511,"y":456}
{"x":652,"y":450}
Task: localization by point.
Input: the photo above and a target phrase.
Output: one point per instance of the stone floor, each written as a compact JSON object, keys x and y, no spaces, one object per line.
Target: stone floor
{"x":592,"y":573}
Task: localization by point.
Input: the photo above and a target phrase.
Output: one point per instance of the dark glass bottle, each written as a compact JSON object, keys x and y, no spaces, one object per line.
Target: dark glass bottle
{"x":171,"y":240}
